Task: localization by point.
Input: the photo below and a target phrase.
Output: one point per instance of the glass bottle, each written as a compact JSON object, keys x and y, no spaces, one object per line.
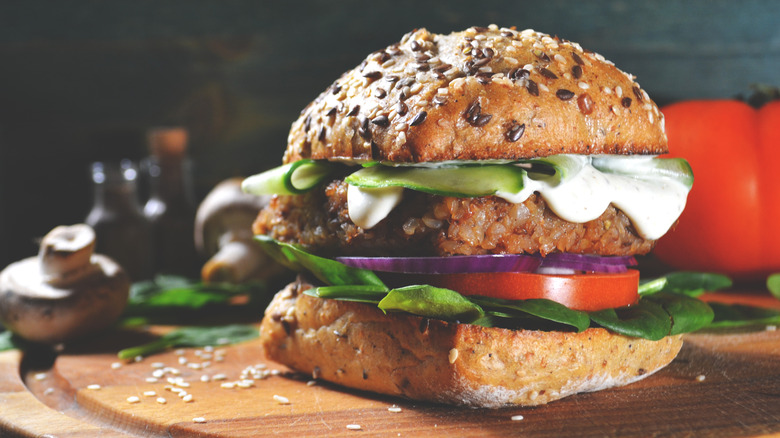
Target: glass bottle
{"x":171,"y":206}
{"x":122,"y":231}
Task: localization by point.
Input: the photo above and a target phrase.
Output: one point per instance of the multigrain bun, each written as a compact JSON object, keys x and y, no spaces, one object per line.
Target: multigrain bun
{"x":358,"y":346}
{"x":484,"y":93}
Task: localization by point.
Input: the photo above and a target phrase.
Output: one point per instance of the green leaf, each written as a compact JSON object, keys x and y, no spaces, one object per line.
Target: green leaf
{"x":739,"y":315}
{"x":695,"y":283}
{"x":359,"y":293}
{"x":645,"y":319}
{"x":649,"y":287}
{"x":432,"y":302}
{"x":540,"y":308}
{"x":773,"y":284}
{"x":688,"y":314}
{"x":328,"y":271}
{"x":194,"y":337}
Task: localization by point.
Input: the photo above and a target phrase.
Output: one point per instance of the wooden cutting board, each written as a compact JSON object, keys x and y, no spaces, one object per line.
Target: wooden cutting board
{"x":719,"y":385}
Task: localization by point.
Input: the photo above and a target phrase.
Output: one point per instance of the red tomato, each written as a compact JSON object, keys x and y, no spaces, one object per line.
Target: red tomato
{"x":588,"y":292}
{"x":730,"y":223}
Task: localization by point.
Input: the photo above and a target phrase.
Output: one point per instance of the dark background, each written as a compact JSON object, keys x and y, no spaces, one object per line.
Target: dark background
{"x":83,"y":80}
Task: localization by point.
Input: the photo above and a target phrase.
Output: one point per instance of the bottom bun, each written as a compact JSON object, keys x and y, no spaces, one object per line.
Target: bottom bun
{"x":358,"y":346}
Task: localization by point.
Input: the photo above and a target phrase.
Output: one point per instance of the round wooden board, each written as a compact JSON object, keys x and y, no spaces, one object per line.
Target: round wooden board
{"x":719,"y":385}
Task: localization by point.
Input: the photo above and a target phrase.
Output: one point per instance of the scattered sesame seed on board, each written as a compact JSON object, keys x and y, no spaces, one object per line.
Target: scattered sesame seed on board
{"x":700,"y":378}
{"x":353,"y":427}
{"x":198,"y":420}
{"x":40,"y":376}
{"x":394,"y":409}
{"x":517,"y":417}
{"x":161,"y":400}
{"x":281,"y":400}
{"x":93,"y":386}
{"x":133,"y":399}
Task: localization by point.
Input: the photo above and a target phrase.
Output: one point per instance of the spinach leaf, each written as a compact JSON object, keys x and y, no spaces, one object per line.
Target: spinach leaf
{"x":738,"y":315}
{"x":540,"y":308}
{"x":328,"y":271}
{"x":194,"y":337}
{"x":645,"y":319}
{"x":359,"y":293}
{"x":432,"y":302}
{"x":773,"y":284}
{"x":688,"y":314}
{"x":695,"y":283}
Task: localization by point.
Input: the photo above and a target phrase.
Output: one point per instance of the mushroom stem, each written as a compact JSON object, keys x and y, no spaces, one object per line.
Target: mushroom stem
{"x":65,"y":254}
{"x":236,"y":262}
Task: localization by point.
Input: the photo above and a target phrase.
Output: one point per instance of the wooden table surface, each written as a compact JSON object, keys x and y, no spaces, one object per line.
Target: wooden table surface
{"x":720,"y":385}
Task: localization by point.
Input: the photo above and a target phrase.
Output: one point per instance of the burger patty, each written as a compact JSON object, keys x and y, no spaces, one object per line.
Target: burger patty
{"x":431,"y":225}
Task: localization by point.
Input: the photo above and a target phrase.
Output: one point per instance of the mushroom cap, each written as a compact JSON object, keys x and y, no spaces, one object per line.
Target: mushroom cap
{"x":226,"y":214}
{"x":45,"y":313}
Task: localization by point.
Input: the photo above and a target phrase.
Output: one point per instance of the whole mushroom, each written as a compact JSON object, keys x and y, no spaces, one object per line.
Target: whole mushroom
{"x":223,"y":232}
{"x":65,"y":292}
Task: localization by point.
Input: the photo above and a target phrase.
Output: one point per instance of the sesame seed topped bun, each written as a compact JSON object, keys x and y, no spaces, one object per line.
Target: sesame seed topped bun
{"x":483,"y":93}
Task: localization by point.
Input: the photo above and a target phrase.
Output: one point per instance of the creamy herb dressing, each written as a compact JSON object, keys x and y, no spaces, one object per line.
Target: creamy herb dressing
{"x":652,"y":204}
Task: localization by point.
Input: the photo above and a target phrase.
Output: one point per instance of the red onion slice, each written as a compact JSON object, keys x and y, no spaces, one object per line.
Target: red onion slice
{"x":447,"y":265}
{"x":588,"y":263}
{"x":491,"y":263}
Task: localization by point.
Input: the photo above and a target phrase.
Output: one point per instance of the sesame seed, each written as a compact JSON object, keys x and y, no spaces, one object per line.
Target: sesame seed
{"x":198,"y":420}
{"x":187,"y":398}
{"x":559,"y":58}
{"x":40,"y":376}
{"x":583,"y":85}
{"x":353,"y":426}
{"x":157,"y":365}
{"x":219,"y":376}
{"x":149,"y":393}
{"x":517,"y":417}
{"x":394,"y":409}
{"x":453,"y":356}
{"x":771,"y":328}
{"x":138,"y":358}
{"x":281,"y":400}
{"x":228,"y":385}
{"x":619,"y":91}
{"x":133,"y":399}
{"x":152,"y":380}
{"x":161,"y":400}
{"x":93,"y":387}
{"x":700,"y":378}
{"x":543,"y":88}
{"x":116,"y":366}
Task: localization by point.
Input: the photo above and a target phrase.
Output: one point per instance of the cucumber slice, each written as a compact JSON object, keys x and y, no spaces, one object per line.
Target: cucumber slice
{"x":462,"y":181}
{"x":646,"y":167}
{"x":290,"y":179}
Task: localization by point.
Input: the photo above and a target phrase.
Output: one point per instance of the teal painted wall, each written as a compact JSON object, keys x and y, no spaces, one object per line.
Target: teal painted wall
{"x":82,"y":80}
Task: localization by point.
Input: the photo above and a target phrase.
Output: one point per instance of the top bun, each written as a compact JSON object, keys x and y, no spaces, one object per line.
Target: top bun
{"x":484,"y":93}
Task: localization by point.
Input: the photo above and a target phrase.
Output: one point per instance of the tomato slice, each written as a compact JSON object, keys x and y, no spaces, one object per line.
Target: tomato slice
{"x":588,"y":292}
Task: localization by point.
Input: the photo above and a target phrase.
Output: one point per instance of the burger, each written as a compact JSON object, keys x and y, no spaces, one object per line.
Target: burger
{"x":463,"y":211}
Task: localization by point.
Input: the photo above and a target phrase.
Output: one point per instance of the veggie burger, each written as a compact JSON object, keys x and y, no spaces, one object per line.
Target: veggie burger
{"x":464,"y":211}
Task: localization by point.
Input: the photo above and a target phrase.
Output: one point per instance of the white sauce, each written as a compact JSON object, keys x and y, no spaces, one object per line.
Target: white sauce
{"x":367,"y":207}
{"x":652,"y":205}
